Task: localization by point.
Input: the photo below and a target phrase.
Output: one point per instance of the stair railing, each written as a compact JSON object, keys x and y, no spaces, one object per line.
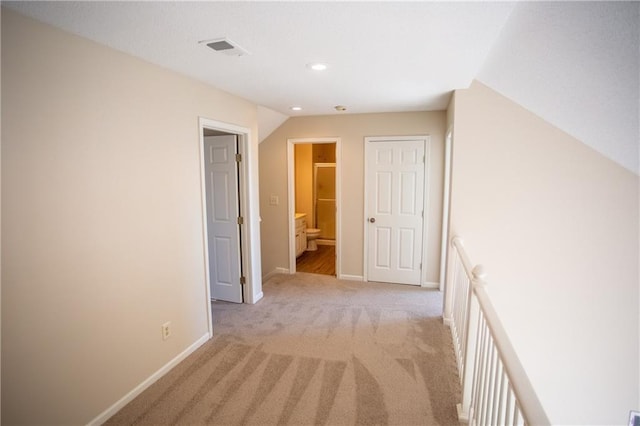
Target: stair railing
{"x":458,"y":299}
{"x":495,"y":387}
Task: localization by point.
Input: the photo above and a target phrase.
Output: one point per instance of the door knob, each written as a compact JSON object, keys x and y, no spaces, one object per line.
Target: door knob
{"x":372,"y":219}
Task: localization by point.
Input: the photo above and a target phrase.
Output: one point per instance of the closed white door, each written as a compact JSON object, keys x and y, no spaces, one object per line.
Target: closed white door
{"x":221,"y":181}
{"x":394,"y":186}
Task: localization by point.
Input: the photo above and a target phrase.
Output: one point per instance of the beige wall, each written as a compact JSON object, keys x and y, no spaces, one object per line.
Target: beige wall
{"x":304,"y":181}
{"x":556,"y":226}
{"x":352,"y":129}
{"x":102,"y":231}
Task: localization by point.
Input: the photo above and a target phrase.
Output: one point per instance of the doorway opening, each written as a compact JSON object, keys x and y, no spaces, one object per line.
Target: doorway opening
{"x":317,"y":254}
{"x":230,"y":224}
{"x":314,"y":208}
{"x":224,"y":217}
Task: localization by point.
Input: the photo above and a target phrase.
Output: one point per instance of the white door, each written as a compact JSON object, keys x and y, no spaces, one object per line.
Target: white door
{"x":221,"y":182}
{"x":394,"y":185}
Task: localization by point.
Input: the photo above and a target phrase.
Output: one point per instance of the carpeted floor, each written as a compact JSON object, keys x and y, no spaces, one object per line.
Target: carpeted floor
{"x":314,"y":351}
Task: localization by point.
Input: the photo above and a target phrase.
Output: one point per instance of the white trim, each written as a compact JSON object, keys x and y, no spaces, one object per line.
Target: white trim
{"x":425,"y":201}
{"x":463,"y":416}
{"x":291,"y":197}
{"x":446,"y":195}
{"x":427,"y":284}
{"x":273,"y":273}
{"x":106,"y":414}
{"x":351,"y":277}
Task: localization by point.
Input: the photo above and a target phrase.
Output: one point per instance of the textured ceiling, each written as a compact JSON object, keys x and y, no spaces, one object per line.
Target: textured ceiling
{"x":382,"y":56}
{"x":575,"y":64}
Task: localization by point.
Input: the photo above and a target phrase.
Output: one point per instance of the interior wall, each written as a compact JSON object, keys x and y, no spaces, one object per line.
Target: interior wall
{"x":576,"y":65}
{"x":556,"y":226}
{"x":351,"y":128}
{"x":102,"y":231}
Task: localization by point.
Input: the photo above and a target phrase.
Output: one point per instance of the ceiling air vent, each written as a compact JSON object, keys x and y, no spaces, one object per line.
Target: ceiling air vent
{"x":226,"y":46}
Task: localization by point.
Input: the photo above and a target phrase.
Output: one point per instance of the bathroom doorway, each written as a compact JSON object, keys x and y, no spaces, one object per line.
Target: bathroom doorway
{"x":313,"y":206}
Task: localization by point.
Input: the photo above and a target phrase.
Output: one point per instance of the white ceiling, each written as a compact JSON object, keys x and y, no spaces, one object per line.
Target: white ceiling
{"x":382,"y":56}
{"x":575,"y":64}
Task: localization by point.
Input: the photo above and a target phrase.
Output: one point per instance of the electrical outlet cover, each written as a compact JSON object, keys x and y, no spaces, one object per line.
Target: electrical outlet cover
{"x":166,"y":330}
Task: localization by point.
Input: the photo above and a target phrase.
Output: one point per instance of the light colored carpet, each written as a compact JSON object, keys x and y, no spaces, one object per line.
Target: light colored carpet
{"x":314,"y":351}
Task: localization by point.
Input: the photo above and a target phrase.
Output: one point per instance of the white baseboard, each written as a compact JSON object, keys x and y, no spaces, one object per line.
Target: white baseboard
{"x":447,"y":321}
{"x":276,"y":271}
{"x":431,"y":285}
{"x":350,"y":277}
{"x":257,"y":298}
{"x":463,"y":417}
{"x":361,"y":278}
{"x":322,"y":242}
{"x":105,"y":415}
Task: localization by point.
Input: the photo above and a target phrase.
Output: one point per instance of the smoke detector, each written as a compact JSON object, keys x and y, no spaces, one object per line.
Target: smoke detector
{"x":225,"y":46}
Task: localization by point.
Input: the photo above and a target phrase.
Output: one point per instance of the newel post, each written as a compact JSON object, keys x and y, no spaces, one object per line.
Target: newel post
{"x":478,"y":280}
{"x":451,"y":275}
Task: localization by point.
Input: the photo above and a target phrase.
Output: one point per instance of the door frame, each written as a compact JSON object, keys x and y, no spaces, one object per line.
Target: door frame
{"x":446,"y":205}
{"x":249,"y":230}
{"x":291,"y":197}
{"x":425,"y":200}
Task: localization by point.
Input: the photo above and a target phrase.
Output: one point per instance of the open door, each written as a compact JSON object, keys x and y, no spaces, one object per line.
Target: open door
{"x":223,"y":218}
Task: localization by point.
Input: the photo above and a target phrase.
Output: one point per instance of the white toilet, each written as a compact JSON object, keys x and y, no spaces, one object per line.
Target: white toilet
{"x":312,"y":235}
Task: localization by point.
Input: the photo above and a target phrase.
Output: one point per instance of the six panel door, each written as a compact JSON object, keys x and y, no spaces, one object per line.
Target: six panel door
{"x":395,"y":202}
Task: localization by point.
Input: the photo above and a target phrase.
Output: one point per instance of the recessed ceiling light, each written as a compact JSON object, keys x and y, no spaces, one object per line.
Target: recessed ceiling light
{"x":295,"y":108}
{"x":317,"y":66}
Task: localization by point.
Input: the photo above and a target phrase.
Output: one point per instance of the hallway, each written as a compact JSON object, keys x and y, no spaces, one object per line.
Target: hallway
{"x":315,"y":350}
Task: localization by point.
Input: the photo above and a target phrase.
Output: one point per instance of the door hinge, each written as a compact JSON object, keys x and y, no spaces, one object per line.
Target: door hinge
{"x":238,"y":158}
{"x":240,"y":220}
{"x":243,"y":280}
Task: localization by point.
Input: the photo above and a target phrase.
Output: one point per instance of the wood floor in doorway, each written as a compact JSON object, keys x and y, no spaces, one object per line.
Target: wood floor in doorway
{"x":321,"y":261}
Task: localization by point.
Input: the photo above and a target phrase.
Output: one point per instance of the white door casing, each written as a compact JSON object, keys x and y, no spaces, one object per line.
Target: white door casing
{"x":221,"y":185}
{"x":394,"y":209}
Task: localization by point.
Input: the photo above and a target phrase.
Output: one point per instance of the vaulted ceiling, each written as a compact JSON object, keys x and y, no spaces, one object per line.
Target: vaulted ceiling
{"x":390,"y":56}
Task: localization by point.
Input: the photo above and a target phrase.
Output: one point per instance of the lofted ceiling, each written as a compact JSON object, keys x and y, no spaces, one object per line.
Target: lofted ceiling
{"x":575,"y":64}
{"x":381,"y":56}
